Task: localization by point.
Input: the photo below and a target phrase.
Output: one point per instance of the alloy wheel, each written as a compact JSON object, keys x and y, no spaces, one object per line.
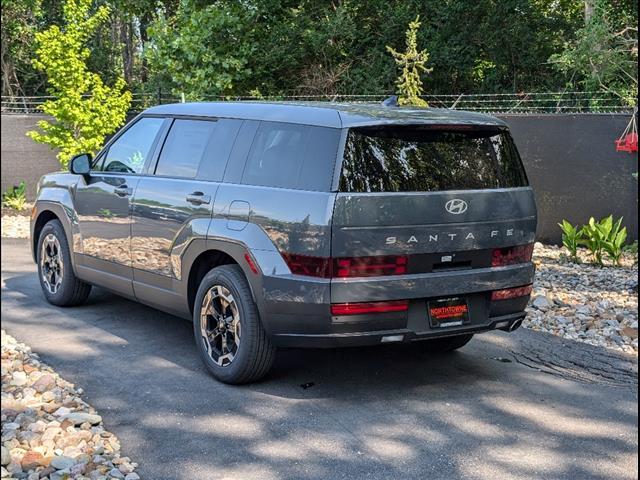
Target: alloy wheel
{"x":220,"y":325}
{"x":51,"y":263}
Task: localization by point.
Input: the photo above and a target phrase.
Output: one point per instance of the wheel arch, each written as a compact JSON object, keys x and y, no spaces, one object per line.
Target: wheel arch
{"x":206,"y":255}
{"x":47,"y":211}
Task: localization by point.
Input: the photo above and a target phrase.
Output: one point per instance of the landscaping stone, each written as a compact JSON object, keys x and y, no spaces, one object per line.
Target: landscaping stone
{"x":591,"y":304}
{"x":48,"y":431}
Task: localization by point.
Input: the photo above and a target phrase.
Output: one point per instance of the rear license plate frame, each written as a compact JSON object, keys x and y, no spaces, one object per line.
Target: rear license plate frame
{"x":448,"y":312}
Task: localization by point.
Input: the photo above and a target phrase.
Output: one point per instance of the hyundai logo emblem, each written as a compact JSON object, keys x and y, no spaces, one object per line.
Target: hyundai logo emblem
{"x":456,"y":206}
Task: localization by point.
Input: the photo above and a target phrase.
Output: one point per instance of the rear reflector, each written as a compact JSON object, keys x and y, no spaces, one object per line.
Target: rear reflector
{"x":511,"y":255}
{"x":508,"y":293}
{"x":369,"y":307}
{"x":346,"y":267}
{"x":250,"y":262}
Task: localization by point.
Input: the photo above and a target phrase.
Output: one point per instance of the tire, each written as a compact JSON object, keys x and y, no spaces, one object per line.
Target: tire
{"x":224,"y":311}
{"x":447,"y":344}
{"x":58,"y":282}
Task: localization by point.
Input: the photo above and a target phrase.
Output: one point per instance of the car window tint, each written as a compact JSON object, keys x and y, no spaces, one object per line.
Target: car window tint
{"x":426,"y":159}
{"x":184,"y":148}
{"x":291,"y":156}
{"x":129,"y":152}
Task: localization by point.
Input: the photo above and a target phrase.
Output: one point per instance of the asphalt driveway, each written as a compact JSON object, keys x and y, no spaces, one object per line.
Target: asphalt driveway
{"x":523,"y":405}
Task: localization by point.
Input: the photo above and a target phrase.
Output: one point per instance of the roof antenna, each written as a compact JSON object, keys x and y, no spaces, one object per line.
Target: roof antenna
{"x":391,"y":101}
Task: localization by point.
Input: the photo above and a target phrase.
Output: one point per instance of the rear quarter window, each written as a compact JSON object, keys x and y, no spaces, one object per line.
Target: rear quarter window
{"x":428,"y":158}
{"x":292,"y":156}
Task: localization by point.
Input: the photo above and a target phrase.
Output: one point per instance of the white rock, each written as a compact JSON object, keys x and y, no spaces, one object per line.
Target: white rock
{"x":79,"y":418}
{"x":19,"y":378}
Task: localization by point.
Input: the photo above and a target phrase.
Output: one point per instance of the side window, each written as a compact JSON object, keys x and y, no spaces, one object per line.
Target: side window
{"x":287,"y":156}
{"x":184,"y":148}
{"x":130,"y":151}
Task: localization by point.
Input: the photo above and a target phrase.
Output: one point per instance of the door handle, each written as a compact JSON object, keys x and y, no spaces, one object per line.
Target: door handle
{"x":198,"y":198}
{"x":123,"y":191}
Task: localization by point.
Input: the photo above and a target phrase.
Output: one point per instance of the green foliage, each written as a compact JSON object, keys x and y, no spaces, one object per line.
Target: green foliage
{"x":85,"y":109}
{"x":571,"y":236}
{"x":412,"y":64}
{"x":18,"y":26}
{"x":615,"y":236}
{"x":604,"y":236}
{"x":201,"y":51}
{"x":593,"y":239}
{"x":15,"y":197}
{"x":604,"y":54}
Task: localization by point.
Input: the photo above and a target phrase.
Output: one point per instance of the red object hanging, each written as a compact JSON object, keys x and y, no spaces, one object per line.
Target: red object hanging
{"x":628,"y":141}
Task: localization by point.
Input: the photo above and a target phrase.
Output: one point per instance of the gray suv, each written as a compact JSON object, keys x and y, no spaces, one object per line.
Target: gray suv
{"x":297,"y":225}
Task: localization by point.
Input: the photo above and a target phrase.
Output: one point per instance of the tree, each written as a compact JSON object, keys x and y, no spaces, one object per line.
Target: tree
{"x":412,"y":62}
{"x":202,"y":50}
{"x":18,"y":26}
{"x":604,"y":56}
{"x":86,"y":110}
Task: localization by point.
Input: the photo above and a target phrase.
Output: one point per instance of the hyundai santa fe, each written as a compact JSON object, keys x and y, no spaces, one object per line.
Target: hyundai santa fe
{"x":297,"y":225}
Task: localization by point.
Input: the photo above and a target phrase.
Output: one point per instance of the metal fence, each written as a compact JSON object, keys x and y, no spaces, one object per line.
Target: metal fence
{"x":523,"y":103}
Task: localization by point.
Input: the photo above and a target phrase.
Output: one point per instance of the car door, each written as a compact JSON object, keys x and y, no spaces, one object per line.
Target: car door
{"x":173,"y":207}
{"x":103,"y":205}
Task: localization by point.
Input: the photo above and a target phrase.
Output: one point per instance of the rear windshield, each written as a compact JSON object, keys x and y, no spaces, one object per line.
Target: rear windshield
{"x":430,"y":158}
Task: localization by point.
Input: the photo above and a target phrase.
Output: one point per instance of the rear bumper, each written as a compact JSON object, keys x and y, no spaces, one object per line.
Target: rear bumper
{"x":403,"y":335}
{"x":296,"y":310}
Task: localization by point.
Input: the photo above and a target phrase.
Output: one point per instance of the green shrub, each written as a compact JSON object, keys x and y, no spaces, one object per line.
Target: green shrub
{"x":593,"y":239}
{"x":615,"y":236}
{"x":15,"y":197}
{"x":571,"y":237}
{"x":412,"y":64}
{"x":604,"y":236}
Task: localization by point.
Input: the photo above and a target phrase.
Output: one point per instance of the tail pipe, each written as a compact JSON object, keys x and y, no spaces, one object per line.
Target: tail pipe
{"x":515,"y":325}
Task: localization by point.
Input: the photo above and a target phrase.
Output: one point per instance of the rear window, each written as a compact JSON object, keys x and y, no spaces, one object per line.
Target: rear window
{"x":292,"y":156}
{"x":428,"y":158}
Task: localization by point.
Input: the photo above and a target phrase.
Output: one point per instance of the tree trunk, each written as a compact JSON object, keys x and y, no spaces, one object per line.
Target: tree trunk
{"x":589,"y":6}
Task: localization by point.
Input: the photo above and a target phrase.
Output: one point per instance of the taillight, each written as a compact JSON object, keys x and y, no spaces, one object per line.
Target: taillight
{"x":511,"y":255}
{"x":369,"y":307}
{"x":308,"y":265}
{"x":508,"y":293}
{"x":370,"y":266}
{"x":346,"y":267}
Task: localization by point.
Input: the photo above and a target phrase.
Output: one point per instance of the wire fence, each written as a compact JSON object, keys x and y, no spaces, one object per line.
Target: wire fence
{"x":497,"y":103}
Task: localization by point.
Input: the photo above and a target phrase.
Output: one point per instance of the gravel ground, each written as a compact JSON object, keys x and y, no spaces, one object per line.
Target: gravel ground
{"x":583,"y":302}
{"x":48,"y":431}
{"x":14,"y":224}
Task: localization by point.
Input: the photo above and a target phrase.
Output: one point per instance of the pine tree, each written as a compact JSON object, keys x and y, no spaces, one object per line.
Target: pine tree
{"x":412,"y":63}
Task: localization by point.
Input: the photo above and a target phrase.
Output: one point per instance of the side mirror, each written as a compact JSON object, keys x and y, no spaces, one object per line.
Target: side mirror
{"x":80,"y":164}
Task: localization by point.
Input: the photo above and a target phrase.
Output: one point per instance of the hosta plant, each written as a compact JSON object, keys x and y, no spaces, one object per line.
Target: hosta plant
{"x":604,"y":236}
{"x":616,"y":235}
{"x":593,"y":238}
{"x":571,"y":236}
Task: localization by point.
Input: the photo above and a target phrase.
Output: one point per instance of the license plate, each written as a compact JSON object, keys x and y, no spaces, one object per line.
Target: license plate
{"x":448,"y":312}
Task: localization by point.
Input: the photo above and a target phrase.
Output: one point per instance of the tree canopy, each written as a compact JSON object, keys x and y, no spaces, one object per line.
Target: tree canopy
{"x":306,"y":47}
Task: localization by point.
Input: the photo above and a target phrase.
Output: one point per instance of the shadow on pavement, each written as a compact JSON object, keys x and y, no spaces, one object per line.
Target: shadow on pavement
{"x":383,"y":412}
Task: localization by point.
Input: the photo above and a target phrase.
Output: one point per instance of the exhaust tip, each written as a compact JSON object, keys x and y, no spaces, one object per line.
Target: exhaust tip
{"x":516,"y":325}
